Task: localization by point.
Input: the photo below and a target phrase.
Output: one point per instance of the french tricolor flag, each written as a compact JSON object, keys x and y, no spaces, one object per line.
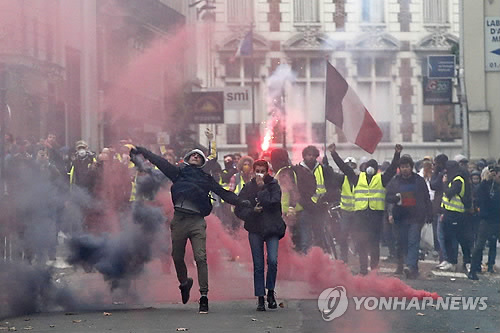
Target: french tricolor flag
{"x":246,"y":46}
{"x":344,"y":108}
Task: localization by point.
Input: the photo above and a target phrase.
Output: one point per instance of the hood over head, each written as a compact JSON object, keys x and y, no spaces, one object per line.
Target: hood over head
{"x":279,"y":159}
{"x":186,"y":157}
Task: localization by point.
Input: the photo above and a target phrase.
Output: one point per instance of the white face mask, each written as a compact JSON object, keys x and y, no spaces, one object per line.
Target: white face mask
{"x":260,"y":175}
{"x":81,"y":152}
{"x":370,"y":170}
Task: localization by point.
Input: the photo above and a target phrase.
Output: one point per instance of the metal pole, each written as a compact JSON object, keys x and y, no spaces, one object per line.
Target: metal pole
{"x":461,"y":82}
{"x":252,"y":60}
{"x":3,"y":103}
{"x":283,"y":108}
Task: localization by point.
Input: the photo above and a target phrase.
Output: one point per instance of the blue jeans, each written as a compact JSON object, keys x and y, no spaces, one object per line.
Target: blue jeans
{"x":304,"y":232}
{"x":408,"y":242}
{"x":346,"y":225}
{"x":443,"y":256}
{"x":257,"y":247}
{"x":488,"y":232}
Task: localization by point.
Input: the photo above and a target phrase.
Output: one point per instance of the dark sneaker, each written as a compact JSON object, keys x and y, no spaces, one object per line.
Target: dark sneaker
{"x":260,"y":304}
{"x":406,"y":271}
{"x":491,"y":269}
{"x":203,"y":304}
{"x":271,"y":300}
{"x":399,"y":270}
{"x":473,"y":275}
{"x":410,"y":273}
{"x":185,"y":290}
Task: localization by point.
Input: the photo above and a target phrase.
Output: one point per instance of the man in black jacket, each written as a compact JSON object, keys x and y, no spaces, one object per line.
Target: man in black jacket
{"x":454,"y":204}
{"x":369,"y":205}
{"x":264,"y":223}
{"x":488,"y":197}
{"x":409,"y":194}
{"x":190,"y":195}
{"x":437,"y":185}
{"x":315,"y":186}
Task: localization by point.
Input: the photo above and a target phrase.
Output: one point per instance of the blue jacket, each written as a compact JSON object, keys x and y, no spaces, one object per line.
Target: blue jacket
{"x":190,"y":183}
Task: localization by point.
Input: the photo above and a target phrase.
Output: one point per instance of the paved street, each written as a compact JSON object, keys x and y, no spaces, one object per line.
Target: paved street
{"x":230,"y":313}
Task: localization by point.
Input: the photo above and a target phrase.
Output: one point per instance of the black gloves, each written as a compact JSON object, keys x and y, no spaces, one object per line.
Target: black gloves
{"x":138,"y":150}
{"x":245,"y":203}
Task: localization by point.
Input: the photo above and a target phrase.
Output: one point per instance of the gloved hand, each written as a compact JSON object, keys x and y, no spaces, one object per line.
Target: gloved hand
{"x":245,"y":203}
{"x":138,"y":150}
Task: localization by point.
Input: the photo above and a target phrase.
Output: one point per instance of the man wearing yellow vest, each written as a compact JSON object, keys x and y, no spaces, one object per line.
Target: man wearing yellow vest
{"x":454,"y":205}
{"x":236,"y":183}
{"x":313,"y":182}
{"x":243,"y":176}
{"x":82,"y":168}
{"x":287,"y":180}
{"x":346,"y":210}
{"x":369,"y":205}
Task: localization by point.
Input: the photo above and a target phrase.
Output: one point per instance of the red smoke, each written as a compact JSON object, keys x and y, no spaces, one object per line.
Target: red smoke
{"x":299,"y":276}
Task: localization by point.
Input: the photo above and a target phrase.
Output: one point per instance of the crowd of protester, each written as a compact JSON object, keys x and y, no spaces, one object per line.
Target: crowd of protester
{"x":357,"y":209}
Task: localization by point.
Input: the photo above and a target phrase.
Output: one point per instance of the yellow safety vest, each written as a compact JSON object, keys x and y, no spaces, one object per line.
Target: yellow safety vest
{"x":71,"y":174}
{"x":133,"y":191}
{"x":320,"y":183}
{"x":455,"y":204}
{"x":130,"y":164}
{"x":285,"y":197}
{"x":221,"y":183}
{"x":347,"y":196}
{"x":240,"y":182}
{"x":369,"y":195}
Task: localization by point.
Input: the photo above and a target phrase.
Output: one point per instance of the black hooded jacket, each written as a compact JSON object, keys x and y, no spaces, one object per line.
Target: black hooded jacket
{"x":453,"y":170}
{"x":353,"y":178}
{"x":269,"y":222}
{"x":190,"y":183}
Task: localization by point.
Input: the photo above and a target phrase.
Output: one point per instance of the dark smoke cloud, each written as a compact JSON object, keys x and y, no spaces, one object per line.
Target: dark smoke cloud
{"x":27,"y":289}
{"x":120,"y":258}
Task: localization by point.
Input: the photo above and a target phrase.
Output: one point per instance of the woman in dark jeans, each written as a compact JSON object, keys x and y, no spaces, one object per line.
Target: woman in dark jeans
{"x":264,"y":224}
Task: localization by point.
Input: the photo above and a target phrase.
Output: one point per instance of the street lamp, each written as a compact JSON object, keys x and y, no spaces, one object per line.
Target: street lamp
{"x":3,"y":103}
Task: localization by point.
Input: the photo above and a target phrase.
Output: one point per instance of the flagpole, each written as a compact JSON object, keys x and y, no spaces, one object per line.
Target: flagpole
{"x":325,"y":134}
{"x":252,"y":60}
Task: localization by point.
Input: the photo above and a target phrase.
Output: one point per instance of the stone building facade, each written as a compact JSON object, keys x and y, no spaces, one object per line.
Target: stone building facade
{"x":380,"y":46}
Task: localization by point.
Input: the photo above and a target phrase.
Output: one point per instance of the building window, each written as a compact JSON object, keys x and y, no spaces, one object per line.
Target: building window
{"x":241,"y":68}
{"x":305,"y":11}
{"x":373,"y":11}
{"x":233,"y":134}
{"x":440,"y":122}
{"x":318,"y":67}
{"x":299,"y":133}
{"x":318,"y":132}
{"x":375,"y":90}
{"x":306,"y":101}
{"x":435,"y":11}
{"x":240,"y":11}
